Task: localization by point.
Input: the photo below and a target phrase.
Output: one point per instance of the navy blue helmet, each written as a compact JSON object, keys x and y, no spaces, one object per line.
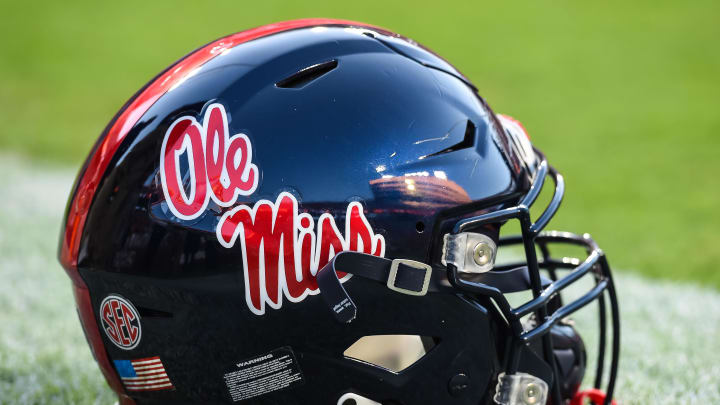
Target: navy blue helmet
{"x":310,"y":212}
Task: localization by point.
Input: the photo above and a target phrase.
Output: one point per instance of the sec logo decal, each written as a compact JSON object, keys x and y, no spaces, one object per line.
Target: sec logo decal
{"x":120,"y":321}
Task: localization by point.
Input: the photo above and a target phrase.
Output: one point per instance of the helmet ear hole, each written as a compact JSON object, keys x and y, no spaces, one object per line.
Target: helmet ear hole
{"x":420,"y":227}
{"x":393,"y":353}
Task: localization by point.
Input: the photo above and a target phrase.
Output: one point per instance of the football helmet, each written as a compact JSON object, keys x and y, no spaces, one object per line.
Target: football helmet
{"x":258,"y":217}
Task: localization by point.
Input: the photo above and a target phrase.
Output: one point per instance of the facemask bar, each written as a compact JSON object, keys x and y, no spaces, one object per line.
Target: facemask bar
{"x":532,"y":235}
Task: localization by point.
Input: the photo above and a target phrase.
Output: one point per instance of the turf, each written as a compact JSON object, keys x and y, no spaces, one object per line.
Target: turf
{"x":669,"y":351}
{"x":622,"y":96}
{"x":43,"y":354}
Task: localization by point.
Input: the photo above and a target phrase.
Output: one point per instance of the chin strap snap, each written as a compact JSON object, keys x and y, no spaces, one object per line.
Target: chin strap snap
{"x":596,"y":397}
{"x":404,"y":276}
{"x":408,"y":277}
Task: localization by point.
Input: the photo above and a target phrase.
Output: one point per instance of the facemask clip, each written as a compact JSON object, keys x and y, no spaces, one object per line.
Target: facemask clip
{"x":520,"y":389}
{"x":469,"y":252}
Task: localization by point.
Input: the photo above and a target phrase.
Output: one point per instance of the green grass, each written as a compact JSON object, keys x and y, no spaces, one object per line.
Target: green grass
{"x":622,"y":96}
{"x":44,"y":357}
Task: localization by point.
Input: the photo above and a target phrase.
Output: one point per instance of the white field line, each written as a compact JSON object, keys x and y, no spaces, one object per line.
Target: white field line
{"x":671,"y":331}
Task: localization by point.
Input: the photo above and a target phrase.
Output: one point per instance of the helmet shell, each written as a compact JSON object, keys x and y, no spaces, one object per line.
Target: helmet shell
{"x":384,"y":127}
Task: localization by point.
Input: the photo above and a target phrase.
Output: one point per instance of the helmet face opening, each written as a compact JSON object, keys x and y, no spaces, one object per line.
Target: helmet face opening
{"x":310,"y":212}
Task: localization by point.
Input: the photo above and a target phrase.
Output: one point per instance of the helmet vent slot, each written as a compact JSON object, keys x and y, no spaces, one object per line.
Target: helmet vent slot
{"x":467,"y":142}
{"x":391,"y":352}
{"x":307,"y":75}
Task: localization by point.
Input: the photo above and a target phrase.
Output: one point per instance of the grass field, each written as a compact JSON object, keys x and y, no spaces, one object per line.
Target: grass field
{"x":622,"y":97}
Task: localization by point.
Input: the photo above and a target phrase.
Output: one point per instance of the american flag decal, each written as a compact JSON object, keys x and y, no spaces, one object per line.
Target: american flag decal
{"x":143,"y":374}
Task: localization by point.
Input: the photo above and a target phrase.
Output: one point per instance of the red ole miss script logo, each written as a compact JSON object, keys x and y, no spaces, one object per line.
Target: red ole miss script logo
{"x":282,"y":248}
{"x":221,"y":167}
{"x":120,"y":321}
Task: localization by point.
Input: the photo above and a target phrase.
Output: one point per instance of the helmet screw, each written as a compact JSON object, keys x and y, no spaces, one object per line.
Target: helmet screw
{"x":531,"y":394}
{"x":482,"y":254}
{"x":458,"y":385}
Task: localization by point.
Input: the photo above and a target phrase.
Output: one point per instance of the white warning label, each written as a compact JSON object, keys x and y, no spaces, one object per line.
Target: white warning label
{"x":262,"y":374}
